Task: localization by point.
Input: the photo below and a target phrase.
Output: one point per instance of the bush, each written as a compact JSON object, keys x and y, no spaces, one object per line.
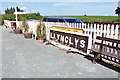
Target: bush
{"x":1,"y":20}
{"x":25,"y":25}
{"x":41,"y":30}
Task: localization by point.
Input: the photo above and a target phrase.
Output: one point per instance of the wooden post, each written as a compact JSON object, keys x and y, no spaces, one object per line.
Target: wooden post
{"x":105,"y":30}
{"x":108,"y":30}
{"x":112,"y":31}
{"x":101,"y":30}
{"x":94,"y":31}
{"x":98,"y":29}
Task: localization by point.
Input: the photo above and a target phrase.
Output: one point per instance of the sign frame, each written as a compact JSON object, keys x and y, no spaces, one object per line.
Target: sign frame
{"x":78,"y":34}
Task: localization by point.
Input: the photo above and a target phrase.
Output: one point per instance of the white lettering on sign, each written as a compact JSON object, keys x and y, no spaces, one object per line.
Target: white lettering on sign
{"x":82,"y":42}
{"x":66,"y":39}
{"x":75,"y":41}
{"x":58,"y":36}
{"x":61,"y":38}
{"x":70,"y":41}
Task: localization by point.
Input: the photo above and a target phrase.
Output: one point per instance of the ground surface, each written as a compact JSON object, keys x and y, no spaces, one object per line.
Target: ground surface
{"x":27,"y":58}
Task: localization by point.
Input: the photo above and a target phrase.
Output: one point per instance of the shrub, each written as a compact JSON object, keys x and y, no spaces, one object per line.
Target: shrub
{"x":41,"y":30}
{"x":25,"y":25}
{"x":1,"y":20}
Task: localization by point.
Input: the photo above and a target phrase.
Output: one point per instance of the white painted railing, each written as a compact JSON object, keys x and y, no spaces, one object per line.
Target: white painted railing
{"x":110,"y":30}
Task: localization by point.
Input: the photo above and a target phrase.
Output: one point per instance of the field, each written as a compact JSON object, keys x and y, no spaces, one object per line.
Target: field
{"x":96,"y":18}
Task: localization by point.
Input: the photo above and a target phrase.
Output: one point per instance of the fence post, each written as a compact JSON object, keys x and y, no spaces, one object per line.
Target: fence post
{"x":101,"y":30}
{"x":47,"y":31}
{"x":105,"y":30}
{"x":98,"y":29}
{"x":77,"y":25}
{"x":108,"y":30}
{"x":85,"y":28}
{"x":118,"y":28}
{"x":117,"y":32}
{"x":112,"y":31}
{"x":88,"y":28}
{"x":91,"y":31}
{"x":70,"y":24}
{"x":94,"y":32}
{"x":82,"y":25}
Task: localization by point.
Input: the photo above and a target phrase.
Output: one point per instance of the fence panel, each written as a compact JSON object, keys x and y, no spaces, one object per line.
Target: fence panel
{"x":96,"y":29}
{"x":93,"y":29}
{"x":109,"y":30}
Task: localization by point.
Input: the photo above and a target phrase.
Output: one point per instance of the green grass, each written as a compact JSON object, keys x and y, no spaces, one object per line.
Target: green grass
{"x":96,"y":18}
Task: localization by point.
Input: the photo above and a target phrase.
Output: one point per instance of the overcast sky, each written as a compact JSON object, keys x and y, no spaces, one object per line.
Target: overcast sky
{"x":93,"y":7}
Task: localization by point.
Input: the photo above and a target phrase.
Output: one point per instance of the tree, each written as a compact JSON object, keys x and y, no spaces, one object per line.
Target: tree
{"x":19,"y":10}
{"x":36,"y":16}
{"x":10,"y":17}
{"x":117,"y":11}
{"x":12,"y":10}
{"x":5,"y":11}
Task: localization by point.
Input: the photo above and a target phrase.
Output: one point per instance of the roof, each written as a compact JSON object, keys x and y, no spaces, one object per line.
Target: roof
{"x":71,"y":20}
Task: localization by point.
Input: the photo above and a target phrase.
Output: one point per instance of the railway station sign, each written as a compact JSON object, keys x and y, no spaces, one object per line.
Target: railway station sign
{"x":79,"y":42}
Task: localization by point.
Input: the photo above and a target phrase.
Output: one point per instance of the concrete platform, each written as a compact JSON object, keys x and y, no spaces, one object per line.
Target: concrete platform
{"x":26,"y":58}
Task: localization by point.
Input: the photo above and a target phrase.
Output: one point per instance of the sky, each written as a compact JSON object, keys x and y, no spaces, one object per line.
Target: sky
{"x":64,"y":8}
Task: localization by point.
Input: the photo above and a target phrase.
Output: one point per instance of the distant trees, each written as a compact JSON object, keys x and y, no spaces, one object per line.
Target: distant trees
{"x":36,"y":16}
{"x":12,"y":10}
{"x":9,"y":14}
{"x":11,"y":17}
{"x":19,"y":10}
{"x":117,"y":11}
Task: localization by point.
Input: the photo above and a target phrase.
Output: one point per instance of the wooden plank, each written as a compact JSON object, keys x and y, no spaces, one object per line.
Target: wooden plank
{"x":107,"y":45}
{"x":111,"y":55}
{"x":108,"y":39}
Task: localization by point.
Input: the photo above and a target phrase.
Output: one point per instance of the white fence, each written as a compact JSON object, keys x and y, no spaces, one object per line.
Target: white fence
{"x":110,"y":30}
{"x":32,"y":25}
